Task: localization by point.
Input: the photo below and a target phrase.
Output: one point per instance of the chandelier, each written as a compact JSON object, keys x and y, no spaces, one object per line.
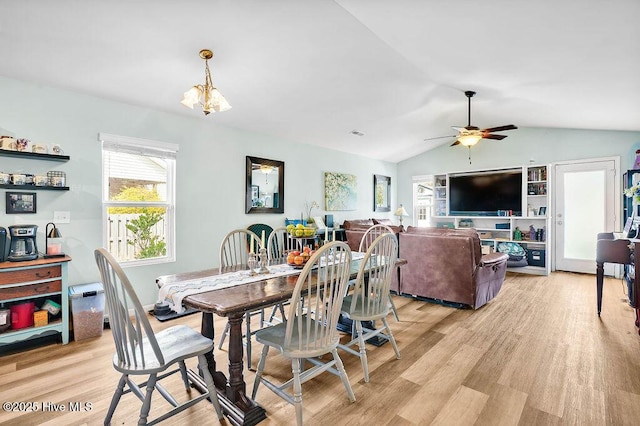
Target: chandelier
{"x":206,"y":94}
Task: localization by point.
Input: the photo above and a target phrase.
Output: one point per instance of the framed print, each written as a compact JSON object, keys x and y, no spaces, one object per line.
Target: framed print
{"x":542,"y":211}
{"x":340,"y":191}
{"x":381,"y":193}
{"x":21,"y":202}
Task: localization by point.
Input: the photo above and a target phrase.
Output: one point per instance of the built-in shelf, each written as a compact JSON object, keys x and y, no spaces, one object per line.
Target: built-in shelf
{"x":535,"y":199}
{"x":34,"y":155}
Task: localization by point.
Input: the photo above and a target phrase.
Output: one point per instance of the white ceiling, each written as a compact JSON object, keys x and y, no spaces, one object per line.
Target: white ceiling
{"x":312,"y":71}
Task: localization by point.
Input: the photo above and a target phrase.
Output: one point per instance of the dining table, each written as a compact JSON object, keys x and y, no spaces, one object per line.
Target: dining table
{"x":233,"y":302}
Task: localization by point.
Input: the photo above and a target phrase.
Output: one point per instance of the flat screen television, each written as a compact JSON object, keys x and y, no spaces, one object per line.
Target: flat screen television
{"x":485,"y":193}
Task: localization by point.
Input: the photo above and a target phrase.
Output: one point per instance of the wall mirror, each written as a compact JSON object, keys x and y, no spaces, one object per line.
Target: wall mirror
{"x":265,"y":186}
{"x":381,"y":193}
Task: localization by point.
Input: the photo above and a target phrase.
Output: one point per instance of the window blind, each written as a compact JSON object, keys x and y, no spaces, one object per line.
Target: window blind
{"x":131,"y":145}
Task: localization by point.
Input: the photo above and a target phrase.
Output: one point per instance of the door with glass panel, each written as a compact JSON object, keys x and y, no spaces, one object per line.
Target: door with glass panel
{"x":587,"y":201}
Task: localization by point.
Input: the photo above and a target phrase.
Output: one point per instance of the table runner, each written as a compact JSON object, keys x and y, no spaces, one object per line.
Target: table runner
{"x":174,"y":293}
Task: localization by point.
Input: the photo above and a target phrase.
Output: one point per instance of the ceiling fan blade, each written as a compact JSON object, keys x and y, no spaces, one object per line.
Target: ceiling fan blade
{"x":455,"y":143}
{"x":440,"y":137}
{"x":500,"y":128}
{"x":496,"y":137}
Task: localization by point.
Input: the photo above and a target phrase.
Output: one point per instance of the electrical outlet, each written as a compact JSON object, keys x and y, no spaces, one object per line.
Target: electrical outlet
{"x":62,"y":217}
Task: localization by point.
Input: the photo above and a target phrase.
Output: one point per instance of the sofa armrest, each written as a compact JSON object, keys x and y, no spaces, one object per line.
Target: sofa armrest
{"x":493,"y":259}
{"x":489,"y":277}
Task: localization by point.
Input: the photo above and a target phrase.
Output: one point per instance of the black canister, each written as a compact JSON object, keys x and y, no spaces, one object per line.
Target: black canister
{"x":3,"y":244}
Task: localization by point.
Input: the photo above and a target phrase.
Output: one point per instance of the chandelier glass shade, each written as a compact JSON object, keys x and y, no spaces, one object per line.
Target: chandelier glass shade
{"x":206,"y":94}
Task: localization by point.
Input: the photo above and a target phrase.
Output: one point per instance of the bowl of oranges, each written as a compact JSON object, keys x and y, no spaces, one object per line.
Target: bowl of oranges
{"x":298,"y":259}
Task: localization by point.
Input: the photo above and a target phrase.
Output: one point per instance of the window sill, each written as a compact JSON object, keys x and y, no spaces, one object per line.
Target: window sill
{"x":147,"y":262}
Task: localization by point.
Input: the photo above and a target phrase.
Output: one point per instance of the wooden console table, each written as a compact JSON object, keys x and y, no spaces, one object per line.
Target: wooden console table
{"x":618,"y":250}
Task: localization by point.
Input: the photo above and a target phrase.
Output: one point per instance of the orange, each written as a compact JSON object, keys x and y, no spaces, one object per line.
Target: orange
{"x":298,"y":260}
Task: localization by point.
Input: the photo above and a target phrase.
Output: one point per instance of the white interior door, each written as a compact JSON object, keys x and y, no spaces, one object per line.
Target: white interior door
{"x":587,"y":198}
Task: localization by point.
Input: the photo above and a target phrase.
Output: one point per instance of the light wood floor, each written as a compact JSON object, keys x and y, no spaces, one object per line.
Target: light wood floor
{"x":537,"y":354}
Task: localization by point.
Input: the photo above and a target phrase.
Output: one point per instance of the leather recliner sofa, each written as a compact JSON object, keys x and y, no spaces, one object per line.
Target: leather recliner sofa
{"x":448,"y":265}
{"x":354,"y":229}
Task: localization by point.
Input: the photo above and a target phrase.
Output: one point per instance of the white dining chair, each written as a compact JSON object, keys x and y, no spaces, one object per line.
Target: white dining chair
{"x":368,"y":301}
{"x":142,"y":352}
{"x":367,"y":239}
{"x":310,"y":330}
{"x":235,"y":247}
{"x":234,"y":250}
{"x":279,"y":244}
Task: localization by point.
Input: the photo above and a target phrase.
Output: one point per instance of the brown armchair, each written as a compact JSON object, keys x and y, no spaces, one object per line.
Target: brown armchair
{"x":448,"y":265}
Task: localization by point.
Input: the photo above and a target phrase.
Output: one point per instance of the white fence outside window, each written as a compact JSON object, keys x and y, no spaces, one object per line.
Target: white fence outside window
{"x":118,"y":236}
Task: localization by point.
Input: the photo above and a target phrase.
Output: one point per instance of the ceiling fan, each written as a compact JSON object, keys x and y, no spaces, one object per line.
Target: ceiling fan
{"x":471,"y":135}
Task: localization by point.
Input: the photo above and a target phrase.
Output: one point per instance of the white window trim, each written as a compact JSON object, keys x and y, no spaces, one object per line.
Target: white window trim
{"x":149,"y":147}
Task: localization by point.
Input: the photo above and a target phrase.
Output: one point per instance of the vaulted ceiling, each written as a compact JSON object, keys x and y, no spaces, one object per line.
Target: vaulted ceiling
{"x":313,"y":71}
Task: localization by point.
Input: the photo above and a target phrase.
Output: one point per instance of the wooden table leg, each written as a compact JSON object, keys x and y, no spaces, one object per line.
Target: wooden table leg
{"x":599,"y":283}
{"x":237,"y":386}
{"x":239,"y":409}
{"x":206,"y":329}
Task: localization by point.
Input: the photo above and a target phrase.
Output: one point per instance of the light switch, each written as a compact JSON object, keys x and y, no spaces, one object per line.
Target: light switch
{"x":61,"y":217}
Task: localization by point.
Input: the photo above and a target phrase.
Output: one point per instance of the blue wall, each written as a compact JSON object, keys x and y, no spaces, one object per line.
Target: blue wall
{"x":210,"y":175}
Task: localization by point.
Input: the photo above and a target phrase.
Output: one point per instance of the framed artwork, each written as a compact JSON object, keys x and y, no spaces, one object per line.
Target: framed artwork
{"x":542,"y":211}
{"x":340,"y":191}
{"x":381,"y":193}
{"x":21,"y":202}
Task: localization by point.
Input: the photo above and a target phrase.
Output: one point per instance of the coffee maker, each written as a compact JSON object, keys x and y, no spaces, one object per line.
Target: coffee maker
{"x":23,"y":243}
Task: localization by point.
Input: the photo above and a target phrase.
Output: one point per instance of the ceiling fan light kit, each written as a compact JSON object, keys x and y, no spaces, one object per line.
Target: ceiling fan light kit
{"x":206,"y":94}
{"x":469,"y":140}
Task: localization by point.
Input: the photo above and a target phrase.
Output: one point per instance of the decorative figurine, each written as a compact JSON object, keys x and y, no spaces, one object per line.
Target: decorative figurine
{"x":263,"y":262}
{"x":252,"y":263}
{"x":517,"y":234}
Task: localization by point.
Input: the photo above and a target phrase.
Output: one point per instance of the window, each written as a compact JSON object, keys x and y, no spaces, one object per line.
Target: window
{"x":138,"y":199}
{"x":423,"y":199}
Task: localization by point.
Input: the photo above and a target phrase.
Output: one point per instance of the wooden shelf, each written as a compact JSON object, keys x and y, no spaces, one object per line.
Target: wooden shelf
{"x":17,"y":154}
{"x":34,"y":187}
{"x":55,"y":324}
